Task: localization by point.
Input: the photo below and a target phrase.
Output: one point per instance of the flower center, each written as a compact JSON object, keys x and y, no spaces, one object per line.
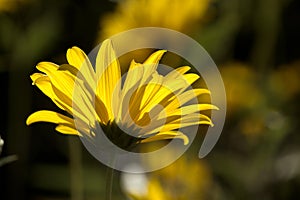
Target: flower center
{"x":119,"y":137}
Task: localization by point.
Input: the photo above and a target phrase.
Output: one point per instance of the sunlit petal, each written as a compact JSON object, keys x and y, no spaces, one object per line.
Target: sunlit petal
{"x":108,"y":74}
{"x":167,"y":135}
{"x":49,"y":116}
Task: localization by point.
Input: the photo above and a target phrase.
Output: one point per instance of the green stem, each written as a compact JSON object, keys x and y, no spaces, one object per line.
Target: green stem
{"x":109,"y":183}
{"x":267,"y":30}
{"x":76,"y":175}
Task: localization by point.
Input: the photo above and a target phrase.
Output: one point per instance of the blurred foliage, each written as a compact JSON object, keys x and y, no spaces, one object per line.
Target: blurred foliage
{"x":7,"y":159}
{"x":254,"y":43}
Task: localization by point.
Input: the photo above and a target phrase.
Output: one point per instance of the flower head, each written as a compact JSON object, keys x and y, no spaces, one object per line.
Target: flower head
{"x":145,"y":104}
{"x":173,"y":14}
{"x":170,"y":183}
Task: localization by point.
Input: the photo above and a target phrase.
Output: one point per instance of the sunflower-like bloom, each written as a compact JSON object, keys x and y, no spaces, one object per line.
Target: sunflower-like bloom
{"x":145,"y":104}
{"x":173,"y":14}
{"x":170,"y":183}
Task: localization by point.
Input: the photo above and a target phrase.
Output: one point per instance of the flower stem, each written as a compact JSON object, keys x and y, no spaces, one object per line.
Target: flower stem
{"x":76,"y":176}
{"x":109,"y":182}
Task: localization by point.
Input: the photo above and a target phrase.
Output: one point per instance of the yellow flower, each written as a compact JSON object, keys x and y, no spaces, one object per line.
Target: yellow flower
{"x":182,"y":16}
{"x":101,"y":97}
{"x":185,"y":179}
{"x":10,"y":5}
{"x":239,"y":79}
{"x":284,"y":82}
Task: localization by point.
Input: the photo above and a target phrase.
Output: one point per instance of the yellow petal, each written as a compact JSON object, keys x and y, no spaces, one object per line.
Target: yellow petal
{"x":49,"y":116}
{"x":185,"y":97}
{"x":67,"y":130}
{"x":193,"y":108}
{"x":35,"y":76}
{"x":109,"y":74}
{"x":150,"y":91}
{"x":79,"y":103}
{"x":77,"y":58}
{"x":178,"y":72}
{"x":191,"y":78}
{"x":59,"y":79}
{"x":155,"y":57}
{"x":151,"y":64}
{"x":142,"y":98}
{"x":86,"y":82}
{"x":142,"y":95}
{"x":101,"y":111}
{"x":191,"y":118}
{"x":44,"y":84}
{"x":106,"y":57}
{"x":181,"y":122}
{"x":203,"y":107}
{"x":65,"y":124}
{"x":133,"y":78}
{"x":57,"y":96}
{"x":167,"y":135}
{"x":70,"y":68}
{"x":47,"y":66}
{"x":183,"y":69}
{"x":161,"y":95}
{"x":60,"y":97}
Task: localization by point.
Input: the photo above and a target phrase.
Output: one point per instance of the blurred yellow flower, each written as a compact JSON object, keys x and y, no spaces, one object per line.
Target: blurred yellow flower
{"x":9,"y":5}
{"x":284,"y":82}
{"x":182,"y":16}
{"x":252,"y":125}
{"x":185,"y":179}
{"x":241,"y":86}
{"x":133,"y":104}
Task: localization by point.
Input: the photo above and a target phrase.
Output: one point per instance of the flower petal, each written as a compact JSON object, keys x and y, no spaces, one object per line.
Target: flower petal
{"x":180,"y":122}
{"x":49,"y":116}
{"x":185,"y":110}
{"x":44,"y":84}
{"x":155,"y":57}
{"x":131,"y":83}
{"x":178,"y":72}
{"x":56,"y":77}
{"x":77,"y":58}
{"x":67,"y":130}
{"x":109,"y":76}
{"x":63,"y":83}
{"x":167,"y":135}
{"x":151,"y":64}
{"x":185,"y":97}
{"x":191,"y":78}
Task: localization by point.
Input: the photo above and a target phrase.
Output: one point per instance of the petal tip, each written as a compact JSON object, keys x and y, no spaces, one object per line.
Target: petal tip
{"x":28,"y":120}
{"x":215,"y":107}
{"x":185,"y":141}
